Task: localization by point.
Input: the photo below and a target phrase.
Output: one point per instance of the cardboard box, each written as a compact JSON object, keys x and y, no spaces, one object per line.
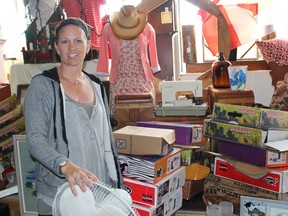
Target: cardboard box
{"x":262,"y":206}
{"x":250,"y":116}
{"x":226,"y":95}
{"x":167,"y":208}
{"x":5,"y":91}
{"x":191,"y":188}
{"x":191,"y":154}
{"x":136,"y":140}
{"x":276,"y":159}
{"x":186,"y":134}
{"x":253,"y":155}
{"x":223,"y":187}
{"x":8,"y":104}
{"x":248,"y":154}
{"x":275,"y":179}
{"x":271,"y":139}
{"x":217,"y":189}
{"x":154,"y":194}
{"x":150,"y":168}
{"x":11,"y":116}
{"x":234,"y":133}
{"x":11,"y":129}
{"x":145,"y":210}
{"x":133,"y":108}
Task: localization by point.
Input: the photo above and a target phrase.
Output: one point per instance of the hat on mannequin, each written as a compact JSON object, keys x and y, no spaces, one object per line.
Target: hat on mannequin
{"x":128,"y":23}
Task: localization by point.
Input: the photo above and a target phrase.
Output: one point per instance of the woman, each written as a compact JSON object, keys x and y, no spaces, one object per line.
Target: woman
{"x":67,"y":121}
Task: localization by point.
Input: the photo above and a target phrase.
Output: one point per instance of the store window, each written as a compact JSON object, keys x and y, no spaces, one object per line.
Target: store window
{"x":268,"y":19}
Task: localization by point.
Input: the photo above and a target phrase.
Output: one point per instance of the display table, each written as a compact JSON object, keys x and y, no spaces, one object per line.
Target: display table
{"x":183,"y":119}
{"x":22,"y":73}
{"x":13,"y":202}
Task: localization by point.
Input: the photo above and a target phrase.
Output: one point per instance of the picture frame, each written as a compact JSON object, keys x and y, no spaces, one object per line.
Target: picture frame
{"x":25,"y":173}
{"x":267,"y":207}
{"x":21,"y":91}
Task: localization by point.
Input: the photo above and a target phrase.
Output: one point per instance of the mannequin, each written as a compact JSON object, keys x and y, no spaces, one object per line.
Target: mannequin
{"x":129,"y":37}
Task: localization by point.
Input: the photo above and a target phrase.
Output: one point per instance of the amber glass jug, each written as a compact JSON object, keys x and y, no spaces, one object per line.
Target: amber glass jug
{"x":220,"y":75}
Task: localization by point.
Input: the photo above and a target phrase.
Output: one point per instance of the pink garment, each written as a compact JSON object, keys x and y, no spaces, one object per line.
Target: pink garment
{"x":89,"y":11}
{"x":146,"y":40}
{"x":130,"y":77}
{"x":274,"y":50}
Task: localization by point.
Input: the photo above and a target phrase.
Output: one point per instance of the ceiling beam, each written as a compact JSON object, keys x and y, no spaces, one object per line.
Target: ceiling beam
{"x":149,"y":5}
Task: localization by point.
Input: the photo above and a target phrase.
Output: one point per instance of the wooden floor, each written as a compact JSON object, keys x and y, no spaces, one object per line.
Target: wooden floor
{"x":180,"y":213}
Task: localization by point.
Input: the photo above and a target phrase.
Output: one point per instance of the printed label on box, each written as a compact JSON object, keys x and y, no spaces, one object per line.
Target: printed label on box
{"x":275,"y":158}
{"x":197,"y":134}
{"x":121,"y":144}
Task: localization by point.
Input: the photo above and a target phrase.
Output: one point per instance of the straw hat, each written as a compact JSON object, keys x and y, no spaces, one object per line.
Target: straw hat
{"x":128,"y":23}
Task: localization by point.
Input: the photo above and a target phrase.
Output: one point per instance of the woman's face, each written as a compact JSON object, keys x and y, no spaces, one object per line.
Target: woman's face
{"x":72,"y":45}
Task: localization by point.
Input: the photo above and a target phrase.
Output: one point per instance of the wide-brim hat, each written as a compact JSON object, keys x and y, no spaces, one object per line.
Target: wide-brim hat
{"x":128,"y":23}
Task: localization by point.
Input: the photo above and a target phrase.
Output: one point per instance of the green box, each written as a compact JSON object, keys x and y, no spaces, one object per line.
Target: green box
{"x":250,"y":116}
{"x":234,"y":133}
{"x":191,"y":155}
{"x":241,"y":115}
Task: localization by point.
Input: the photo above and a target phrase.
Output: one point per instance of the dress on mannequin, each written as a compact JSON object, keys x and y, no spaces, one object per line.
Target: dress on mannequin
{"x":130,"y":77}
{"x":131,"y":70}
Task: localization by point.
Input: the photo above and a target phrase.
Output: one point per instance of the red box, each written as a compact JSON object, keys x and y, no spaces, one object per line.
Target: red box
{"x":154,"y":194}
{"x":5,"y":91}
{"x":168,"y":207}
{"x":274,"y":179}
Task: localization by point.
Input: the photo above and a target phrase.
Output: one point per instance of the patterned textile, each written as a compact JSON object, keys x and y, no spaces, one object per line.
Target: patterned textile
{"x":280,"y":97}
{"x":274,"y":50}
{"x":130,"y":77}
{"x":89,"y":11}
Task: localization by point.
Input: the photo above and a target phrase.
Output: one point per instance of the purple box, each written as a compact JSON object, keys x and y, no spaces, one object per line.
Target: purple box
{"x":186,"y":134}
{"x":245,"y":153}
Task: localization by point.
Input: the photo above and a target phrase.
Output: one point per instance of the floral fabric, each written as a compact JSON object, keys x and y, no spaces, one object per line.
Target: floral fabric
{"x":130,"y":77}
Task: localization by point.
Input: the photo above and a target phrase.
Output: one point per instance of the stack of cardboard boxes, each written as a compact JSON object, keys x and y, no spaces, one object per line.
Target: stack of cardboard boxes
{"x":191,"y":140}
{"x":151,"y":167}
{"x":11,"y":122}
{"x":252,"y":143}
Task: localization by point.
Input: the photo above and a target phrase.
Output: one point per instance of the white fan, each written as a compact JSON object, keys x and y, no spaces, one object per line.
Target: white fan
{"x":101,"y":200}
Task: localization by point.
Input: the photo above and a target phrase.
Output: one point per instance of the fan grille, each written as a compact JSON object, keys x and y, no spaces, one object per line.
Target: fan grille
{"x":104,"y":196}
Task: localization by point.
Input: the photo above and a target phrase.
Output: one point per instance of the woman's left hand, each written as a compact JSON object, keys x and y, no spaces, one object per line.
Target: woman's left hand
{"x":75,"y":174}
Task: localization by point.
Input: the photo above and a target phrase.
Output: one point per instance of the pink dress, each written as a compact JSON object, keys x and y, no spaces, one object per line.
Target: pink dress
{"x":130,"y":77}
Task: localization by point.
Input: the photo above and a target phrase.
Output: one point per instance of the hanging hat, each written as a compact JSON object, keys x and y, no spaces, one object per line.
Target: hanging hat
{"x":128,"y":23}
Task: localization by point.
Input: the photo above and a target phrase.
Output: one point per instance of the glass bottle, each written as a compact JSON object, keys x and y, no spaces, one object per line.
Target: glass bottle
{"x":220,"y":75}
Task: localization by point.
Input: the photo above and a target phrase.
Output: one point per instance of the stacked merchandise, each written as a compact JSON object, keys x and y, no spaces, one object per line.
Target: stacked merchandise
{"x":253,"y":160}
{"x":151,"y":167}
{"x":11,"y":122}
{"x":191,"y":140}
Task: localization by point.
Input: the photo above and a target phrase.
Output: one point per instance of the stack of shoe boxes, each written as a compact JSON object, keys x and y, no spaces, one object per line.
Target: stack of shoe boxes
{"x":151,"y":167}
{"x":11,"y":122}
{"x":191,"y":140}
{"x":252,"y":143}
